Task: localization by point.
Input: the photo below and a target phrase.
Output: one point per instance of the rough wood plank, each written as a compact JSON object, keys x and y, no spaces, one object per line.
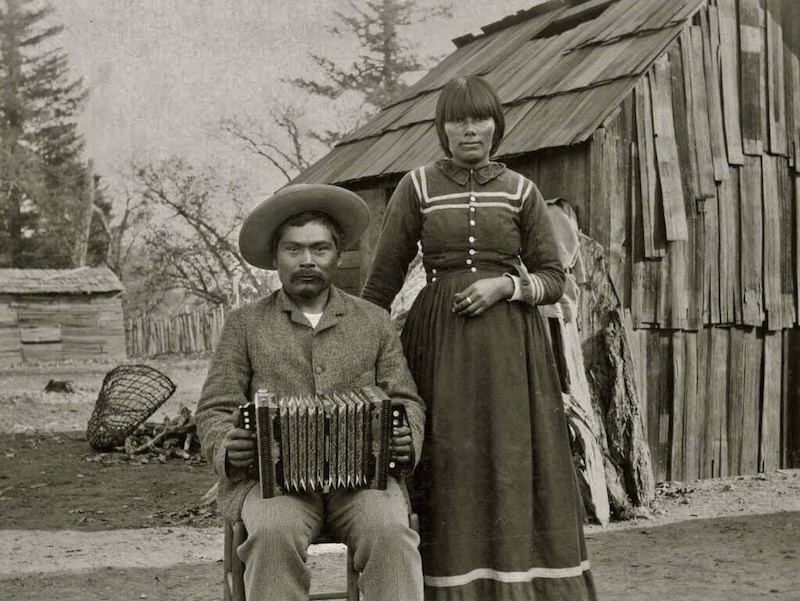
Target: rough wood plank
{"x":725,"y":208}
{"x":729,"y":56}
{"x":794,"y":88}
{"x":769,"y":454}
{"x":753,"y":81}
{"x":705,"y":162}
{"x":636,"y":239}
{"x":40,"y":334}
{"x":690,"y":423}
{"x":716,"y":463}
{"x":686,"y":298}
{"x":773,"y":297}
{"x":701,"y":410}
{"x":664,"y":307}
{"x":731,"y":194}
{"x":698,"y":303}
{"x":684,"y":120}
{"x":669,"y":175}
{"x":620,"y":128}
{"x":736,"y":392}
{"x":603,"y":157}
{"x":678,"y":440}
{"x":754,"y":350}
{"x":796,"y":246}
{"x":679,"y":285}
{"x":790,"y":411}
{"x":751,"y":221}
{"x":788,"y":280}
{"x":775,"y":77}
{"x":711,"y":283}
{"x":657,"y":395}
{"x":654,"y":238}
{"x":711,"y":49}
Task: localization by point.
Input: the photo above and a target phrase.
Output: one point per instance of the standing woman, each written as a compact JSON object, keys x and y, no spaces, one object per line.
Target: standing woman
{"x":500,"y":510}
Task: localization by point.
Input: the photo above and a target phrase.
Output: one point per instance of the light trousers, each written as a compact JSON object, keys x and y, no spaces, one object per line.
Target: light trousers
{"x":373,"y":523}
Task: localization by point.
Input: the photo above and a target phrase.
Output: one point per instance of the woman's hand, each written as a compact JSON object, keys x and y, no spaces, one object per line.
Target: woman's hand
{"x":479,"y":296}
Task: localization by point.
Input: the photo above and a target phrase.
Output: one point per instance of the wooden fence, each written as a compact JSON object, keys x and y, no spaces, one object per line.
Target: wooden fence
{"x":194,"y":332}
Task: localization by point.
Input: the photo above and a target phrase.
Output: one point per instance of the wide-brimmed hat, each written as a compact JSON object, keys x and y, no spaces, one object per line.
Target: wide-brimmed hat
{"x":343,"y":206}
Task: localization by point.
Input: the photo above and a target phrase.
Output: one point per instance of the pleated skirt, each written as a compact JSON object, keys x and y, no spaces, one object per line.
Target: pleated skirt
{"x":501,"y":516}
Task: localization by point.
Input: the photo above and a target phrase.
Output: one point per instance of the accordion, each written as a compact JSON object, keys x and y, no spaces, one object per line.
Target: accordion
{"x":322,"y":442}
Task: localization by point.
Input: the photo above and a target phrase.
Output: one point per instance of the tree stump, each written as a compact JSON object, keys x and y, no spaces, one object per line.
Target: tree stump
{"x":610,"y":371}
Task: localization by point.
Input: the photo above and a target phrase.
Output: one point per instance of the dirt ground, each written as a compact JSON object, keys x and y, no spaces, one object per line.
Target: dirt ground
{"x":78,"y":525}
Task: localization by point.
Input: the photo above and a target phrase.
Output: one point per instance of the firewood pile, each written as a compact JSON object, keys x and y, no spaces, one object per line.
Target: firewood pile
{"x":173,"y":438}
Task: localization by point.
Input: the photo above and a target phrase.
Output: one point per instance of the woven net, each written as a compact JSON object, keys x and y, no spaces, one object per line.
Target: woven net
{"x":129,"y":395}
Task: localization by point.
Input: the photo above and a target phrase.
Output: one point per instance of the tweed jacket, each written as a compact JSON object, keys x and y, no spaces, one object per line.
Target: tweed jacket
{"x":270,"y":344}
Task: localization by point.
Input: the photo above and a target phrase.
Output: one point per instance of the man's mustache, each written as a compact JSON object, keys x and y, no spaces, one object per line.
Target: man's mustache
{"x":305,"y":274}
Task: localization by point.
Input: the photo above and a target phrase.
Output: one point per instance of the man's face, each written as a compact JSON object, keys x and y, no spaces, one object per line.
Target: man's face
{"x":307,"y":260}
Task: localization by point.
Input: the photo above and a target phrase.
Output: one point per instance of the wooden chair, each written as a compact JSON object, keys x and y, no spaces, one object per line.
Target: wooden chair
{"x":233,"y":586}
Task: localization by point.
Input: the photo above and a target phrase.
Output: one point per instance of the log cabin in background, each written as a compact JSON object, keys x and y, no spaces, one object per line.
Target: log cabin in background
{"x":60,"y":314}
{"x":673,"y":129}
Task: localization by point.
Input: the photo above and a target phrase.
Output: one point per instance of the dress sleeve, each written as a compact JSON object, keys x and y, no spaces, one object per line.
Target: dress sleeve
{"x":540,"y":259}
{"x":397,"y":245}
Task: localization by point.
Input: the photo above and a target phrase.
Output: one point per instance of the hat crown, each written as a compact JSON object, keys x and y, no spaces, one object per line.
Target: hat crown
{"x":259,"y":227}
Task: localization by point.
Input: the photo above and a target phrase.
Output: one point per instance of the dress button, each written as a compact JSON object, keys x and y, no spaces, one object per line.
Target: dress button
{"x":469,"y":261}
{"x":472,"y":238}
{"x":433,"y":270}
{"x":472,"y":209}
{"x":472,"y":222}
{"x":472,"y":251}
{"x":473,"y":269}
{"x":472,"y":199}
{"x":433,"y":279}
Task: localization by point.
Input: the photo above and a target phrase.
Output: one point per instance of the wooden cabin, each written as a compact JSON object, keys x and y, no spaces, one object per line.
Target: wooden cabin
{"x":673,"y":129}
{"x":60,"y":314}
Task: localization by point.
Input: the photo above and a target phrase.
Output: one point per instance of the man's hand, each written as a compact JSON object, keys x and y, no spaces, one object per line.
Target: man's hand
{"x":402,"y":449}
{"x":240,"y":446}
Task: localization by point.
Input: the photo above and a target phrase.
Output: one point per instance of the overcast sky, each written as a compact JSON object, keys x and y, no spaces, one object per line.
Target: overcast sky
{"x":163,"y":73}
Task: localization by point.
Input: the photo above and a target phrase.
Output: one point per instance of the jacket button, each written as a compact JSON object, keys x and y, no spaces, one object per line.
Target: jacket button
{"x":319,"y":369}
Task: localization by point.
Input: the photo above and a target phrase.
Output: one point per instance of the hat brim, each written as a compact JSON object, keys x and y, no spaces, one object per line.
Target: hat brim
{"x":259,"y":227}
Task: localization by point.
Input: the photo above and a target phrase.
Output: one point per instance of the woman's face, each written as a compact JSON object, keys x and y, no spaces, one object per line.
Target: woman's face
{"x":470,"y":140}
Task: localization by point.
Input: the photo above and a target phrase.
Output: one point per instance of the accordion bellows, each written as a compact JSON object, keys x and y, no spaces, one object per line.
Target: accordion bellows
{"x":322,"y":442}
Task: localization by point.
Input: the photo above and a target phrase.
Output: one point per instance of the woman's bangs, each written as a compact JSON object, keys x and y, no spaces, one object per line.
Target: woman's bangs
{"x":469,"y":101}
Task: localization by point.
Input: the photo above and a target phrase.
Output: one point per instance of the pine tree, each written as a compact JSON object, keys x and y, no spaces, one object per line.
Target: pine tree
{"x":43,"y":184}
{"x":386,"y":56}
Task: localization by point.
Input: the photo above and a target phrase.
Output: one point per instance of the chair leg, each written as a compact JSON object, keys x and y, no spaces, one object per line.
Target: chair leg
{"x":237,"y":567}
{"x":352,"y":577}
{"x":227,"y":584}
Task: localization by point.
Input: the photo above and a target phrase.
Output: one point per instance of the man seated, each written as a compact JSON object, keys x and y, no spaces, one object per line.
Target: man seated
{"x":310,"y":338}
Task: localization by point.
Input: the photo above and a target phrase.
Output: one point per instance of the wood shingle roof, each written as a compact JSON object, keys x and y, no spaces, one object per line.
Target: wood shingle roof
{"x":559,"y":68}
{"x":84,"y":280}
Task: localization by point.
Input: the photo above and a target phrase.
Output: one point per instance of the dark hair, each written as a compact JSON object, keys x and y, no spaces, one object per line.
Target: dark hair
{"x":465,"y":97}
{"x":301,"y":219}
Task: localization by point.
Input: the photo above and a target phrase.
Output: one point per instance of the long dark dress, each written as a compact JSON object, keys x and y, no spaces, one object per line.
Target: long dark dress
{"x":495,"y":489}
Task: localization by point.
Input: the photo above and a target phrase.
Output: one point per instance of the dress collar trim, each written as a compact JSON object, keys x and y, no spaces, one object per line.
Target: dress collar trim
{"x":460,"y":175}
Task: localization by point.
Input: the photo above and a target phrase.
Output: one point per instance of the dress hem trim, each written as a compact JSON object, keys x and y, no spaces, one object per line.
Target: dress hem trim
{"x":489,"y":573}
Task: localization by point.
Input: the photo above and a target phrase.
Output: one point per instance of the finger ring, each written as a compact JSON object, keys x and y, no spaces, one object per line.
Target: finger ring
{"x":469,"y":300}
